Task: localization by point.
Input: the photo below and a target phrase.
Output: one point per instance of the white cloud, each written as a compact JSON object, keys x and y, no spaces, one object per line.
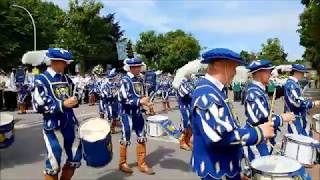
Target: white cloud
{"x":144,"y":12}
{"x":276,"y":22}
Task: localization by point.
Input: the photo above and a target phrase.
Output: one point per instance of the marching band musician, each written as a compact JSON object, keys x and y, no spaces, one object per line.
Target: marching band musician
{"x":184,"y":101}
{"x":20,"y":76}
{"x":257,"y":107}
{"x":92,"y":87}
{"x":109,"y":101}
{"x":2,"y":86}
{"x":52,"y":98}
{"x":165,"y":89}
{"x":218,"y":138}
{"x":151,"y":87}
{"x":132,"y":98}
{"x":296,"y":103}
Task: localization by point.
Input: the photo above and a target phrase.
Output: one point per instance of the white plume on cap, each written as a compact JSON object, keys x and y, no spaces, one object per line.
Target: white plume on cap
{"x":34,"y":58}
{"x":191,"y":67}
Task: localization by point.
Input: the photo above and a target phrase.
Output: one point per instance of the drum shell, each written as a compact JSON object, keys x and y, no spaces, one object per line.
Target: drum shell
{"x":261,"y":176}
{"x":303,"y":152}
{"x":154,"y":128}
{"x":99,"y":153}
{"x":7,"y":135}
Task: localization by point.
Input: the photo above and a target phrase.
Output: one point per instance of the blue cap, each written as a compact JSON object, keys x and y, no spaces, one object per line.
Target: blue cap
{"x":134,"y":62}
{"x":112,"y":73}
{"x":59,"y":54}
{"x":221,"y":53}
{"x":257,"y":65}
{"x":299,"y":67}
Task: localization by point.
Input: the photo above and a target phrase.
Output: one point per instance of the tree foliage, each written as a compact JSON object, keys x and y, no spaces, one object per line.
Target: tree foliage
{"x":248,"y":57}
{"x":168,"y":51}
{"x":273,"y":51}
{"x":81,"y":29}
{"x":16,"y":30}
{"x":310,"y":32}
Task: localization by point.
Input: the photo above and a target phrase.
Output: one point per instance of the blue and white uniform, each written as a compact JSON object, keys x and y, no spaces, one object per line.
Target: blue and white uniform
{"x":218,"y":139}
{"x":184,"y":94}
{"x":165,"y":89}
{"x":109,"y":98}
{"x":59,"y":123}
{"x":257,"y":110}
{"x":296,"y":103}
{"x":131,"y":91}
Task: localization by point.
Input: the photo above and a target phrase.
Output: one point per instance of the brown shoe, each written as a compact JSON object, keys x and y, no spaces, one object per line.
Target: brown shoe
{"x":183,"y":143}
{"x":188,"y":137}
{"x":142,"y":165}
{"x":67,"y":172}
{"x":123,"y":165}
{"x":48,"y":177}
{"x":22,"y":108}
{"x":113,"y":127}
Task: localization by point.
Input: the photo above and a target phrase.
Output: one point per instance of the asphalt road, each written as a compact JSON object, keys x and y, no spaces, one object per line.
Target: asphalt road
{"x":25,"y":158}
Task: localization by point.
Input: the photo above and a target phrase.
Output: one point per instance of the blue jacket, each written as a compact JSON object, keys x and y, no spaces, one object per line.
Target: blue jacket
{"x":296,"y":103}
{"x":184,"y":92}
{"x":50,"y":92}
{"x":131,"y":90}
{"x":257,"y":110}
{"x":218,"y":138}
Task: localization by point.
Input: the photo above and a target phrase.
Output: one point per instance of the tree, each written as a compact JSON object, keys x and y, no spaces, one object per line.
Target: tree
{"x":273,"y":51}
{"x":149,"y":46}
{"x":129,"y":49}
{"x":310,"y":32}
{"x":90,"y":37}
{"x":17,"y":30}
{"x":248,"y":57}
{"x":167,"y":51}
{"x":178,"y":49}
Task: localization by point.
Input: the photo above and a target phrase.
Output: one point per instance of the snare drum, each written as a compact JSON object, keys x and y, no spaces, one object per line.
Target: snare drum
{"x":6,"y":130}
{"x":154,"y":128}
{"x":299,"y":147}
{"x":276,"y":168}
{"x":316,"y":123}
{"x":96,"y":141}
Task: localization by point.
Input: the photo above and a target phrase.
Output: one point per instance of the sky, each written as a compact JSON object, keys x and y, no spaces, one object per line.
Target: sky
{"x":234,"y":24}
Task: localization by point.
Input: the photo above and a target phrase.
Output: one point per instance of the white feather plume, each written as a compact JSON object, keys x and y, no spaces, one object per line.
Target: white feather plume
{"x":188,"y":69}
{"x":34,"y":58}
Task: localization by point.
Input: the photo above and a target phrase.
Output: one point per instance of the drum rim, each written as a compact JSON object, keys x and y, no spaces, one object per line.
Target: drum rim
{"x":257,"y":171}
{"x":282,"y":174}
{"x":9,"y":121}
{"x":158,"y":121}
{"x":94,"y":119}
{"x":299,"y":142}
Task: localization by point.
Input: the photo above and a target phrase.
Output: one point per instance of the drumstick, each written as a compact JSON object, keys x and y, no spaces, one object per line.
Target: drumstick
{"x":272,"y":105}
{"x":270,"y":113}
{"x":74,"y":90}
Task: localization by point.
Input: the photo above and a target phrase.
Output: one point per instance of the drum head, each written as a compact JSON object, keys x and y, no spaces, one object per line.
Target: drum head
{"x":5,"y":118}
{"x":316,"y":117}
{"x":94,"y":129}
{"x":301,"y":138}
{"x":275,"y":164}
{"x":157,"y":118}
